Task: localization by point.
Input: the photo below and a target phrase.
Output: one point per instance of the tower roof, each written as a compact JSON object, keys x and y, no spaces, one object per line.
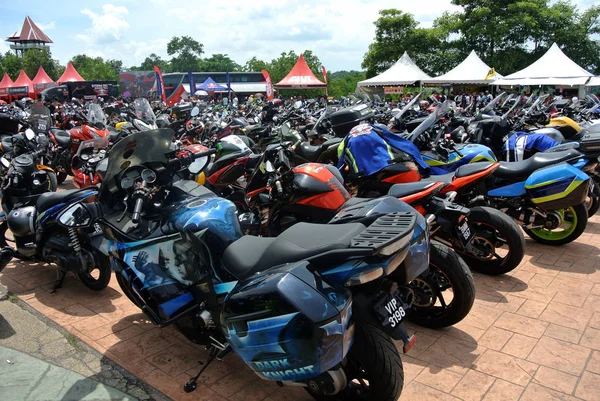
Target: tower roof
{"x":29,"y":32}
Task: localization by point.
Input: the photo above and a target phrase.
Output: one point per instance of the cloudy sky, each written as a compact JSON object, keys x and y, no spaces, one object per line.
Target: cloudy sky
{"x":338,"y":31}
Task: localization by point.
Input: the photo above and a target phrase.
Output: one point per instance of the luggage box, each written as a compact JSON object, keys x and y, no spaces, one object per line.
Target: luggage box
{"x":344,"y":120}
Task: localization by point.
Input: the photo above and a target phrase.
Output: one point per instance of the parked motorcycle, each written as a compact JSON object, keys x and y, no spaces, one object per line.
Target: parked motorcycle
{"x":315,"y":307}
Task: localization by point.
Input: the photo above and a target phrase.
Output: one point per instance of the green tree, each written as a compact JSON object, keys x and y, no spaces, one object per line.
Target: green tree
{"x":186,"y":53}
{"x":34,"y":58}
{"x":255,"y":64}
{"x":116,"y":65}
{"x":343,"y":83}
{"x":12,"y":65}
{"x":151,"y":61}
{"x":94,"y":68}
{"x":219,"y":63}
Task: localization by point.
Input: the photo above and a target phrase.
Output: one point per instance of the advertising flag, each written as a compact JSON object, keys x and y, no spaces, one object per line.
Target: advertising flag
{"x":192,"y":82}
{"x":270,"y":92}
{"x":160,"y":85}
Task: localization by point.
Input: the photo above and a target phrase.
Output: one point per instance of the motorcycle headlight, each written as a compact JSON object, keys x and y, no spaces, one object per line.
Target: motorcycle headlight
{"x":36,"y":182}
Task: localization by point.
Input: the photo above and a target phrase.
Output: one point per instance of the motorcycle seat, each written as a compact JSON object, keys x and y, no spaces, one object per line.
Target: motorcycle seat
{"x":63,"y":139}
{"x":49,"y":199}
{"x":251,"y":254}
{"x":519,"y":171}
{"x":445,"y":178}
{"x":310,"y":152}
{"x":472,"y":168}
{"x":7,"y":144}
{"x":411,"y":188}
{"x":114,"y":135}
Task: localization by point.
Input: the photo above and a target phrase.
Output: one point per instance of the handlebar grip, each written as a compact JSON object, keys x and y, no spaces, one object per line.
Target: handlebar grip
{"x":137,"y":210}
{"x":205,"y":153}
{"x":279,"y":187}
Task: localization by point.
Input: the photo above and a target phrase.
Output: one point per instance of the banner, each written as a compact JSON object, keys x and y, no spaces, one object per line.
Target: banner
{"x":393,"y":90}
{"x":192,"y":83}
{"x":324,"y":71}
{"x":137,"y":83}
{"x":160,"y":85}
{"x":491,"y":74}
{"x":270,"y":92}
{"x":228,"y":85}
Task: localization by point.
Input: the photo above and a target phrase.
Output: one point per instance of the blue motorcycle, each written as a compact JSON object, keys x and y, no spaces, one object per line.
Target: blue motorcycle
{"x":314,"y":307}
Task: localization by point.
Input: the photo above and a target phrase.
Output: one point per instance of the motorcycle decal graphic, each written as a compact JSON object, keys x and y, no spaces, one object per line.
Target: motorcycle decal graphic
{"x":217,"y":215}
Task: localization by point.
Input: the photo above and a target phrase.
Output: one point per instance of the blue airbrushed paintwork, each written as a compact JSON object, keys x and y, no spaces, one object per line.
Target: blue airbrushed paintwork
{"x":224,"y":288}
{"x":175,"y":304}
{"x":468,"y":152}
{"x":216,"y":214}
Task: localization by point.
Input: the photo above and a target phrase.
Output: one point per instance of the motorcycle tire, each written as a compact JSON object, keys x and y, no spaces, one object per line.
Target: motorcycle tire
{"x":578,"y":215}
{"x":491,"y":228}
{"x":594,"y":199}
{"x":61,"y":177}
{"x":374,"y":354}
{"x":52,"y":181}
{"x":447,"y":271}
{"x":103,"y":278}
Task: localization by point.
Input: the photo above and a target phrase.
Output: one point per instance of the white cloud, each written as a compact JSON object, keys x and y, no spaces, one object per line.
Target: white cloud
{"x":46,"y":27}
{"x":107,"y":26}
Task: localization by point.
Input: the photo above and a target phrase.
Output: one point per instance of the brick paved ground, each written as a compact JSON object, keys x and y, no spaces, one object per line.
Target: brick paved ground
{"x":532,"y":335}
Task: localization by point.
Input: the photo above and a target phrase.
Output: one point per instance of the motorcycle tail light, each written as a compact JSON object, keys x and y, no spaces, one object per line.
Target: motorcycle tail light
{"x":397,"y":245}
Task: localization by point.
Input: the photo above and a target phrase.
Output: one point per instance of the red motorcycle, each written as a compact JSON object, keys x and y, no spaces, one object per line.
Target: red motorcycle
{"x":78,"y":151}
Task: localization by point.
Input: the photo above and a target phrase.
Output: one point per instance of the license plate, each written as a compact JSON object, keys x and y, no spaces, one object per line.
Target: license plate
{"x":464,"y":232}
{"x":389,"y":309}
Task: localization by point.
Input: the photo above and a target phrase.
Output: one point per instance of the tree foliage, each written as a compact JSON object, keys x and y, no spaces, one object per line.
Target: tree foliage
{"x":219,"y":63}
{"x":96,"y":68}
{"x":507,"y":34}
{"x":343,"y":83}
{"x":186,"y":53}
{"x":34,"y":58}
{"x":12,"y":64}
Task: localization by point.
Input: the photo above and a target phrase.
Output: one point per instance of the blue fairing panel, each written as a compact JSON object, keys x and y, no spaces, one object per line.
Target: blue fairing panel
{"x":517,"y":189}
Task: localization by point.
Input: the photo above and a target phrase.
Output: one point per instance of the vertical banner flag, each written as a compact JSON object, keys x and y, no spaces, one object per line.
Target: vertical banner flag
{"x":192,"y":82}
{"x":228,"y":85}
{"x":324,"y":71}
{"x":270,"y":92}
{"x":160,"y":85}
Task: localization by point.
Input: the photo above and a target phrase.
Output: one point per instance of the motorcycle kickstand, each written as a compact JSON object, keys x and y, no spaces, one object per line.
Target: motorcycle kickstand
{"x":60,"y":278}
{"x":215,"y":353}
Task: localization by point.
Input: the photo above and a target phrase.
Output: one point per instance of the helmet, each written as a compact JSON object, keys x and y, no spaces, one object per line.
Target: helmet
{"x":424,"y":104}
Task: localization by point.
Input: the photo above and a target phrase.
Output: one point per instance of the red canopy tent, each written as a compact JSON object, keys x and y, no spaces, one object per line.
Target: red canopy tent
{"x":70,"y":75}
{"x":42,"y":80}
{"x":22,"y":81}
{"x":5,"y":84}
{"x":300,"y":77}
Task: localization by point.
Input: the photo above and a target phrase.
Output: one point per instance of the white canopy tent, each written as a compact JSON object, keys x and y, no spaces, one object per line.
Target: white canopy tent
{"x":403,"y":72}
{"x":553,"y":68}
{"x":471,"y":71}
{"x":594,"y":81}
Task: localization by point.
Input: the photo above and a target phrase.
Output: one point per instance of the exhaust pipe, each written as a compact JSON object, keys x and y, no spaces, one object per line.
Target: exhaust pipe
{"x":6,"y":255}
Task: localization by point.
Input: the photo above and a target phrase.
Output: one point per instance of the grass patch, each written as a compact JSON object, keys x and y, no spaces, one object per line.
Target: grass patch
{"x":13,"y":298}
{"x":72,"y":339}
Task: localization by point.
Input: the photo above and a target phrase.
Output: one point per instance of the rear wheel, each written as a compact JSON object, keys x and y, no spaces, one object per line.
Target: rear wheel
{"x":61,"y":177}
{"x":52,"y":181}
{"x":574,"y":220}
{"x":593,"y":199}
{"x":444,"y":294}
{"x":498,"y":241}
{"x":374,"y":370}
{"x":98,"y":276}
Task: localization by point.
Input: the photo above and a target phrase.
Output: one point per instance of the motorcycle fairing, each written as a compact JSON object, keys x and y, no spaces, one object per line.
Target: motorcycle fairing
{"x":509,"y":191}
{"x":54,"y":210}
{"x":562,"y":182}
{"x":470,"y":153}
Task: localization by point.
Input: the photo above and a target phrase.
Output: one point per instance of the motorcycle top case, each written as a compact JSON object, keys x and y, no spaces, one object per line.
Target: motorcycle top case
{"x":590,"y":144}
{"x":345,"y":119}
{"x":288,"y":324}
{"x":557,"y":187}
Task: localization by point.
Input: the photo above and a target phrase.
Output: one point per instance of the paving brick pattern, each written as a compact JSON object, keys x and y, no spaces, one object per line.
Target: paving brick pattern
{"x":533,"y":334}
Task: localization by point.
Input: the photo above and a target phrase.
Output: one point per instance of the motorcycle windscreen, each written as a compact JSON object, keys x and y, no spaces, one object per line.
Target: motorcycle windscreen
{"x":135,"y":150}
{"x":40,"y":119}
{"x":93,"y":144}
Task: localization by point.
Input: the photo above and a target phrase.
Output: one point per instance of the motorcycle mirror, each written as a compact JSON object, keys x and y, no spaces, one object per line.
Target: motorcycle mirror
{"x":29,"y":134}
{"x":5,"y":162}
{"x":75,"y":216}
{"x":198,"y":165}
{"x":195,"y":111}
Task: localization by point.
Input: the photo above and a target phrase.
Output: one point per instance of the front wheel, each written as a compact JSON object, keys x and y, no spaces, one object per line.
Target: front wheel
{"x":444,"y":294}
{"x":52,"y":181}
{"x":98,"y":276}
{"x":573,"y":221}
{"x":498,"y":241}
{"x":374,"y":370}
